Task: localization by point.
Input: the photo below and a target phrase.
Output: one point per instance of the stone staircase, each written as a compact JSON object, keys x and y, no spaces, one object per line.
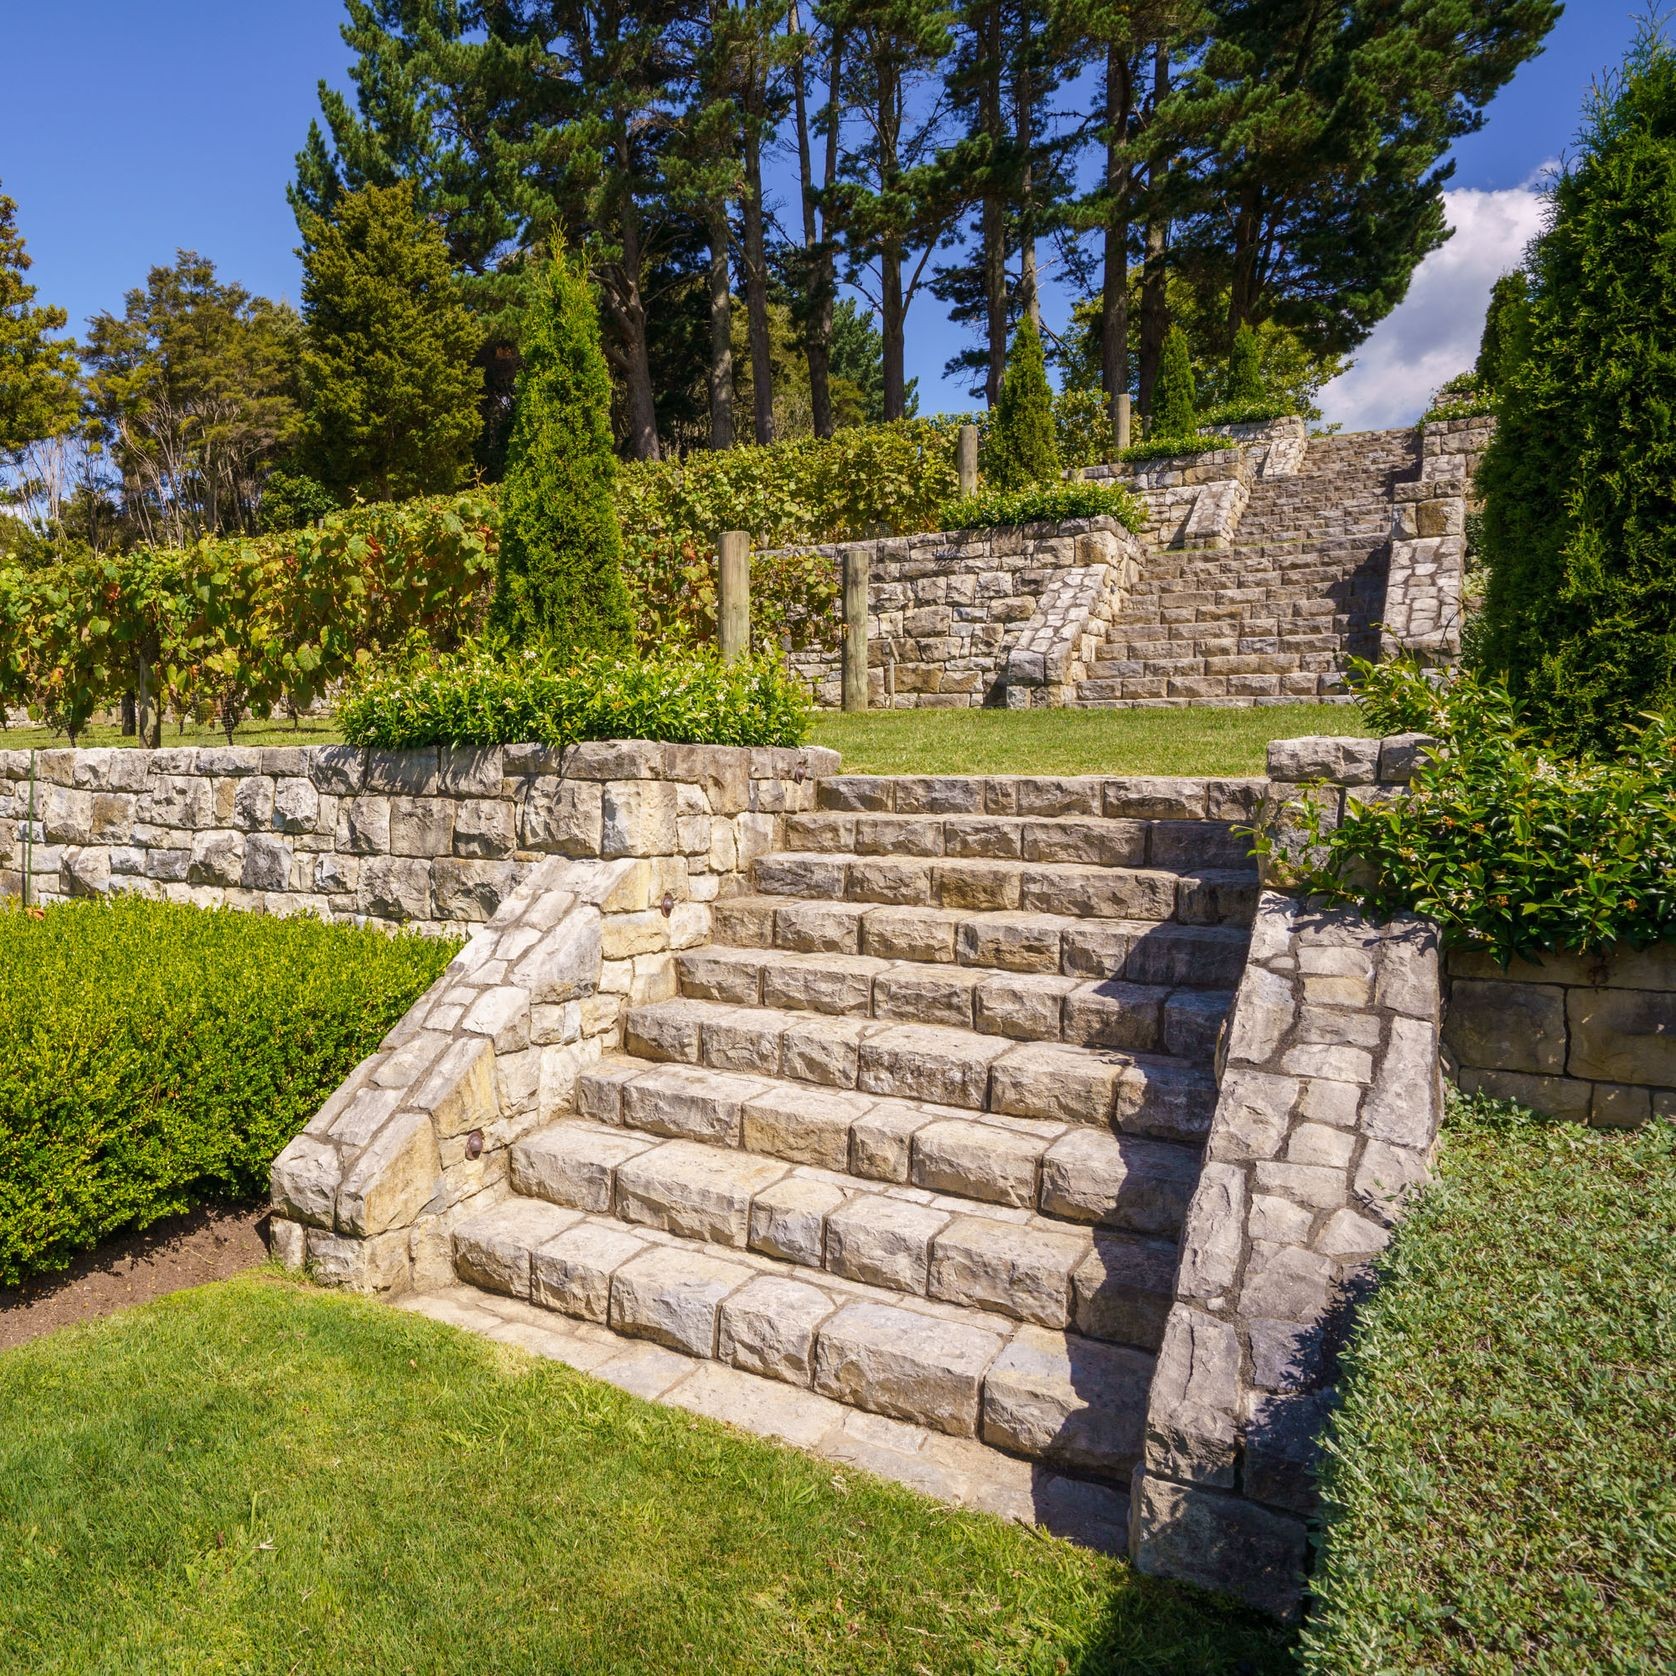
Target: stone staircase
{"x":899,"y":1170}
{"x":1272,"y":619}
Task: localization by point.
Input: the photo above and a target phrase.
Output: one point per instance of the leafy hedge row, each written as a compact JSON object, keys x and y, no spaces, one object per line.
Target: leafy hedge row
{"x":483,"y":697}
{"x":1510,"y":847}
{"x":1044,"y":503}
{"x":155,"y":1056}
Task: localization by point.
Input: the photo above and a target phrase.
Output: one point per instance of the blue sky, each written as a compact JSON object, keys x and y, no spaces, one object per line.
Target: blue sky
{"x":129,"y":130}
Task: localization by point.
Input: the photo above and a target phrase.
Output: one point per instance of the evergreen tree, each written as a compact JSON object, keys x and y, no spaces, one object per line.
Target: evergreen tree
{"x":1023,"y":447}
{"x":1175,"y":402}
{"x":1580,"y":481}
{"x":1245,"y":367}
{"x":390,"y":388}
{"x":1506,"y":339}
{"x":38,"y":385}
{"x":561,"y":550}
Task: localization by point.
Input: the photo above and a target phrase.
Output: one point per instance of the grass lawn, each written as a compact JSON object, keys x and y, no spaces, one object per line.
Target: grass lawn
{"x":1197,"y":740}
{"x":1502,"y":1496}
{"x":309,"y":730}
{"x":258,"y":1476}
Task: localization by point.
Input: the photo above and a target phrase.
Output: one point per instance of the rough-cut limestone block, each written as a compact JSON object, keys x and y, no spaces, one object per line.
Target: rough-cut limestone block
{"x":1122,"y":1289}
{"x":303,"y":1180}
{"x":1023,"y":1271}
{"x":492,"y":1249}
{"x":574,"y":1164}
{"x":882,"y":1241}
{"x":1508,"y":1026}
{"x":689,"y":1104}
{"x":802,"y":1125}
{"x":881,"y":1139}
{"x":922,"y":1062}
{"x":822,"y":1050}
{"x":639,"y":819}
{"x":673,"y":1296}
{"x":939,"y":995}
{"x":1193,"y":1412}
{"x":901,"y":1363}
{"x":1069,"y":1400}
{"x":1625,"y":1036}
{"x":986,"y":1161}
{"x":769,"y":1327}
{"x":572,"y":1271}
{"x":392,"y":1179}
{"x":700,"y":1192}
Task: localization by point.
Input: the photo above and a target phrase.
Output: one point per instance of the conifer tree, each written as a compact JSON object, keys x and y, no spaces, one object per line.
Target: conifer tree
{"x":1506,"y":339}
{"x":1579,"y":516}
{"x":1023,"y":447}
{"x":37,"y":372}
{"x":561,"y":579}
{"x":1245,"y":367}
{"x":390,"y":390}
{"x":1175,"y":402}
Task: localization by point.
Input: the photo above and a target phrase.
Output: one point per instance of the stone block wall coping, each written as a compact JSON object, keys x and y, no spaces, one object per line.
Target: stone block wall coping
{"x":1325,"y":1121}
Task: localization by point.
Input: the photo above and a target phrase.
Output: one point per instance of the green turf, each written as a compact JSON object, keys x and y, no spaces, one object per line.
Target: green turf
{"x":1190,"y":740}
{"x":261,"y":1477}
{"x":308,"y":730}
{"x":1503,"y":1485}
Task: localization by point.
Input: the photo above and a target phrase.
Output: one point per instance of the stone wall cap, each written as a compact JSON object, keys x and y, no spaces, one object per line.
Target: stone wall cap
{"x":1344,"y":761}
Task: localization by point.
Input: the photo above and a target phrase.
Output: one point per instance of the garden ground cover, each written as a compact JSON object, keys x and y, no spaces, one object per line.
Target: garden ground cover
{"x":1502,"y":1486}
{"x":259,"y":1476}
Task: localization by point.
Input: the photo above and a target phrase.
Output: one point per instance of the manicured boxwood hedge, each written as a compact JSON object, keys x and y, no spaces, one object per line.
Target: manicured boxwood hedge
{"x":154,"y":1056}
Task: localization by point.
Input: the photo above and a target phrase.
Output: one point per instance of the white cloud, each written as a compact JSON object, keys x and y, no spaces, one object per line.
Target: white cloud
{"x":1433,"y":333}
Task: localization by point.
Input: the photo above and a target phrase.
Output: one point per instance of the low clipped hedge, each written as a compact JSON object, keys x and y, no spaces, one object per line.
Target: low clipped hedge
{"x":155,"y":1056}
{"x":1044,"y":503}
{"x":487,"y":697}
{"x":1169,"y":447}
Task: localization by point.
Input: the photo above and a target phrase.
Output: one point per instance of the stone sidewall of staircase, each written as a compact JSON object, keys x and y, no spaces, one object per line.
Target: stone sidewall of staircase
{"x":947,"y":611}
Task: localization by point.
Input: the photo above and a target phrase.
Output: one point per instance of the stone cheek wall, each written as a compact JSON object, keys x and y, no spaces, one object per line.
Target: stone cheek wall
{"x":419,"y":1134}
{"x":946,"y":611}
{"x":434,"y":839}
{"x":1590,"y":1037}
{"x":1427,"y":571}
{"x":1326,"y":1118}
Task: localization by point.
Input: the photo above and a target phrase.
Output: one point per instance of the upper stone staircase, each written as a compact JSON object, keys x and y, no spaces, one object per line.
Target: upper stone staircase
{"x":1274,"y":618}
{"x":912,"y":1141}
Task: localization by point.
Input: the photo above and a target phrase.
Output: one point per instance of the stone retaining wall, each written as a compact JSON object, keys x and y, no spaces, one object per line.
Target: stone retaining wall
{"x":435,"y":839}
{"x":946,"y":611}
{"x":419,"y":1134}
{"x":1326,"y":1118}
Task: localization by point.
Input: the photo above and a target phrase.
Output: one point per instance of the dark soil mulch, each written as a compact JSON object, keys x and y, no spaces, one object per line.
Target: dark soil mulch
{"x":205,"y":1244}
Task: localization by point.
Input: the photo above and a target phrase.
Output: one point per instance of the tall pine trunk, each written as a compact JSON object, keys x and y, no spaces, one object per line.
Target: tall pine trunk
{"x":1114,"y":296}
{"x":1154,"y":307}
{"x":1024,"y":101}
{"x":756,"y":277}
{"x":721,"y":329}
{"x":817,"y":327}
{"x":993,"y":214}
{"x":891,"y":309}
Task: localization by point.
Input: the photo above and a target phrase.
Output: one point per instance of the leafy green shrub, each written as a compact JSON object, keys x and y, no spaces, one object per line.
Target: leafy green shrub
{"x":1245,"y":369}
{"x":1579,"y":515}
{"x":155,"y":1056}
{"x":1510,"y":848}
{"x":1044,"y":503}
{"x":486,"y":697}
{"x":1498,"y":1479}
{"x":1507,"y":331}
{"x":1171,"y":447}
{"x":1082,"y":422}
{"x":561,"y":551}
{"x":1021,"y":446}
{"x":1175,"y":400}
{"x":1463,"y":397}
{"x":1259,"y":410}
{"x":291,"y":499}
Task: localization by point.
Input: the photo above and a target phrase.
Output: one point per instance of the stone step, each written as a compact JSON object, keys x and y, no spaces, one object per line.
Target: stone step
{"x":1026,"y":1006}
{"x":1207,"y":955}
{"x":1083,"y":892}
{"x":1037,"y":798}
{"x":1135,"y":1094}
{"x":1057,"y":1169}
{"x":1174,"y":845}
{"x":1105,"y":1283}
{"x":1045,"y":1395}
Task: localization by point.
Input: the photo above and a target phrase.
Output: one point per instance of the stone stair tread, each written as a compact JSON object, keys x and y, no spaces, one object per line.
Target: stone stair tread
{"x":1026,"y":1006}
{"x":1137,"y":1093}
{"x":1057,"y":1396}
{"x":1143,"y":951}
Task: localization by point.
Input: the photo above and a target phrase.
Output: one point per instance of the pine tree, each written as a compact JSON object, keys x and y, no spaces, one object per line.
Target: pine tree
{"x":561,"y":578}
{"x":1175,"y":410}
{"x":37,"y":372}
{"x":1245,"y":368}
{"x":1023,"y":447}
{"x":389,"y":386}
{"x":1579,"y":517}
{"x":1506,"y":339}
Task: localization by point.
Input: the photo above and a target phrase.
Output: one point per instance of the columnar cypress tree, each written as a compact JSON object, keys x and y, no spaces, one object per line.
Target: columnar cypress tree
{"x":561,"y":549}
{"x":1245,"y":367}
{"x":1506,"y":339}
{"x":1023,"y":446}
{"x":1580,"y":481}
{"x":1175,"y":402}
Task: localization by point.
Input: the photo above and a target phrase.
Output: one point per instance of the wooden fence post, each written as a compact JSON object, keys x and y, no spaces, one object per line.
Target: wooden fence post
{"x":966,"y":460}
{"x":855,"y":626}
{"x":733,"y":590}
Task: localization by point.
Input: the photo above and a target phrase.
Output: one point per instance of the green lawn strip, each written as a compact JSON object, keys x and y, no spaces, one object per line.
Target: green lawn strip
{"x":1200,"y":739}
{"x":1502,"y":1488}
{"x":259,"y":1476}
{"x":308,"y":730}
